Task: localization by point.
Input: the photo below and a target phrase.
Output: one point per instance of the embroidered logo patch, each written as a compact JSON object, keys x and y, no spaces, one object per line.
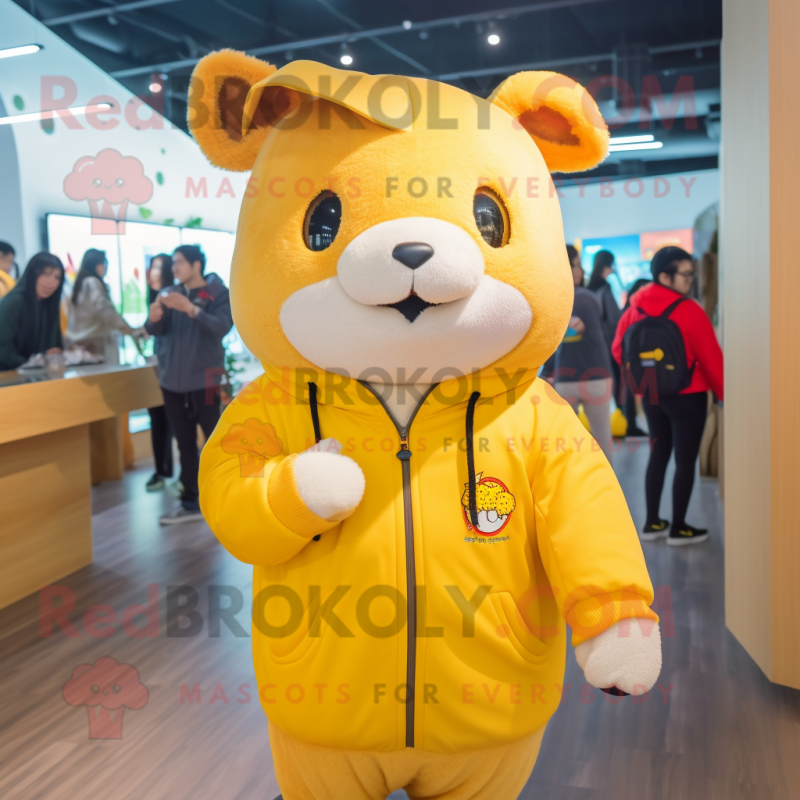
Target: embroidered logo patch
{"x":494,"y":502}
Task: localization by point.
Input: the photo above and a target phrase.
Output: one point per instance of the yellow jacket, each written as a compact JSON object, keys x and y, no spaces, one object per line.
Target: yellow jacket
{"x":484,"y":653}
{"x":7,"y":283}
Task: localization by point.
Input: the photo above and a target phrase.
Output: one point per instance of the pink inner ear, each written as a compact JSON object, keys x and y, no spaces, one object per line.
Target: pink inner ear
{"x":547,"y":124}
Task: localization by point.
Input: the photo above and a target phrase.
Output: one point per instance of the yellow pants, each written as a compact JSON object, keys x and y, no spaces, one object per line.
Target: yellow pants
{"x":312,"y":772}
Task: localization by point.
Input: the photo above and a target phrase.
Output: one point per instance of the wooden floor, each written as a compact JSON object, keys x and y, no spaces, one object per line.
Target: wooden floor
{"x":724,"y":733}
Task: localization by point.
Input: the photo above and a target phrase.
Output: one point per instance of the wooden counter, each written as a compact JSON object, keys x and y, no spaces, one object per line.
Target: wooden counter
{"x":57,"y":432}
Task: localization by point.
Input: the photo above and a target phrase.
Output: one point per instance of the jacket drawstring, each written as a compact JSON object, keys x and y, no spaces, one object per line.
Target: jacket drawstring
{"x":312,"y":399}
{"x":473,"y":500}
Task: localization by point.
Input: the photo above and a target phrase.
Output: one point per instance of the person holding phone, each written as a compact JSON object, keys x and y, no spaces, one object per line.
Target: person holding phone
{"x":582,"y":364}
{"x":191,"y":319}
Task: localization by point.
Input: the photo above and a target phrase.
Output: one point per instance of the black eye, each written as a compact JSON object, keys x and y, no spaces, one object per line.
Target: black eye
{"x":322,"y":221}
{"x":94,"y":689}
{"x":116,"y":688}
{"x":491,"y":217}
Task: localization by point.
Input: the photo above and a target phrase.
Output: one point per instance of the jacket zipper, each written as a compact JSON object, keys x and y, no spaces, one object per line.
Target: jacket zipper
{"x":404,"y":454}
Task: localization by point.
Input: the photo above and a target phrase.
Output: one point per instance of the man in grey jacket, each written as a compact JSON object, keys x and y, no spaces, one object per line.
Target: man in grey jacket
{"x":192,"y":318}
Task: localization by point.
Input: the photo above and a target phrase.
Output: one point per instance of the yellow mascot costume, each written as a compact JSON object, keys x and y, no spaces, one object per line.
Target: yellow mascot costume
{"x":423,"y":514}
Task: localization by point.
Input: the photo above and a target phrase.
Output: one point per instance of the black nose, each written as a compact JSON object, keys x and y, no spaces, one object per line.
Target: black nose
{"x":412,"y":254}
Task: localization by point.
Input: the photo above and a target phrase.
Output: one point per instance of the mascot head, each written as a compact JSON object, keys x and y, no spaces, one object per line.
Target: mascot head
{"x":396,"y":229}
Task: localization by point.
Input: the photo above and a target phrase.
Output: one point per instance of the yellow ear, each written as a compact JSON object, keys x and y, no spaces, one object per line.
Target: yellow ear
{"x":560,"y":115}
{"x":219,"y":87}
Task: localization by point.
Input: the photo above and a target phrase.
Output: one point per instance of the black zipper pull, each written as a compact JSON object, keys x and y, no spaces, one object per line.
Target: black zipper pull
{"x":404,"y":453}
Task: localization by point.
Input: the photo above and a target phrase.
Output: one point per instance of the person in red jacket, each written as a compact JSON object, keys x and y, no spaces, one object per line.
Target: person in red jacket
{"x":675,"y":422}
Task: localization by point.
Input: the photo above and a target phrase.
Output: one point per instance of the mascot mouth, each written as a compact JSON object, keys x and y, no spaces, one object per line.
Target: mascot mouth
{"x":412,"y":306}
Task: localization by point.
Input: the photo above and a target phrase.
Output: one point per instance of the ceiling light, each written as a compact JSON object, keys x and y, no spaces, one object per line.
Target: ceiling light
{"x":38,"y":115}
{"x":407,"y":24}
{"x":493,"y":39}
{"x":621,"y":148}
{"x":645,"y":137}
{"x":22,"y":50}
{"x":346,"y":59}
{"x":155,"y":87}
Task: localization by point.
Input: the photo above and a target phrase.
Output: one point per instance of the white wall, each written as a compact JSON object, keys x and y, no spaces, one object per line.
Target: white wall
{"x":10,"y":209}
{"x":607,"y":209}
{"x":44,"y":160}
{"x":746,"y":271}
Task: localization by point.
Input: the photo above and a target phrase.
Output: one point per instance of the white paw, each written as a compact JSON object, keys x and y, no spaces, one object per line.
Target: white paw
{"x":331,"y":485}
{"x":623,"y":656}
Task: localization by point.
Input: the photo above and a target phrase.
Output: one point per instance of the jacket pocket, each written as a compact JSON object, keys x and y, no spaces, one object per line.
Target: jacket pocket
{"x":292,"y":648}
{"x":529,"y":646}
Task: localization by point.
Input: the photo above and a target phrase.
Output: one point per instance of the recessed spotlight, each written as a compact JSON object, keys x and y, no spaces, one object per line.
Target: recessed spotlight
{"x":624,"y":148}
{"x":644,"y":137}
{"x":346,"y":59}
{"x":407,"y":24}
{"x":42,"y":115}
{"x":493,"y":38}
{"x":155,"y":88}
{"x":22,"y":50}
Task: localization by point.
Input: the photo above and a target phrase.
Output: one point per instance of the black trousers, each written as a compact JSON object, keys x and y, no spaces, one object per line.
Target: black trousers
{"x":185,"y":411}
{"x":617,"y":376}
{"x":674,"y":423}
{"x":630,"y":407}
{"x":161,"y":439}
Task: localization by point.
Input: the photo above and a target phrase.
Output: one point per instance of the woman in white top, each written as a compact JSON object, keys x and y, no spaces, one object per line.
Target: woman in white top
{"x":92,"y":316}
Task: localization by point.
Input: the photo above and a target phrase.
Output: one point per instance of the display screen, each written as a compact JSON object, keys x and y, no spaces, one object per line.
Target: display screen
{"x":651,"y":241}
{"x":627,"y":258}
{"x":129,"y":255}
{"x":632,"y":255}
{"x":70,"y":237}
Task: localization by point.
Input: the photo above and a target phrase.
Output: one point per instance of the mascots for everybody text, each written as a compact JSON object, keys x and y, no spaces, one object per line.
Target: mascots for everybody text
{"x":424,"y":516}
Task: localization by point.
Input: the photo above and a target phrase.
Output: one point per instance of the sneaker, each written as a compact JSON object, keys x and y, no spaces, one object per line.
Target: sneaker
{"x":181,"y":514}
{"x":686,"y":534}
{"x":176,"y":487}
{"x":155,"y":484}
{"x":655,"y":531}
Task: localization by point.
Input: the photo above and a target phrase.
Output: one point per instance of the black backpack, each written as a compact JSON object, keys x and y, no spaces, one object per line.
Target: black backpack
{"x":654,"y":345}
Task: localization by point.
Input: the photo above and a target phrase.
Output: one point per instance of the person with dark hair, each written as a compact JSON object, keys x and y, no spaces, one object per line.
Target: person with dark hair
{"x":159,"y":276}
{"x":633,"y":428}
{"x":30,"y":321}
{"x":602,"y":267}
{"x":7,"y":266}
{"x":675,"y":421}
{"x":574,"y":257}
{"x":582,"y":371}
{"x":192,"y":318}
{"x":548,"y":368}
{"x":92,"y":317}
